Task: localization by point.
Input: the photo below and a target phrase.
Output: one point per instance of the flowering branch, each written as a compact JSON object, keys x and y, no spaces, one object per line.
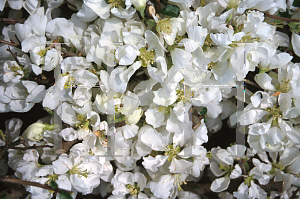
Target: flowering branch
{"x":9,"y":43}
{"x":12,"y":21}
{"x":69,"y":53}
{"x":31,"y":147}
{"x":295,"y":192}
{"x":35,"y":184}
{"x":281,"y":18}
{"x":14,"y":55}
{"x":11,"y":145}
{"x":65,"y":146}
{"x":242,"y":165}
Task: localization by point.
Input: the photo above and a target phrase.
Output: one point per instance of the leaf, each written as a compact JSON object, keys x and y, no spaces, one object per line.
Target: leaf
{"x":171,"y":10}
{"x":296,"y":3}
{"x":204,"y":111}
{"x":285,"y":14}
{"x":53,"y":185}
{"x":65,"y":195}
{"x":294,"y":26}
{"x":151,"y":22}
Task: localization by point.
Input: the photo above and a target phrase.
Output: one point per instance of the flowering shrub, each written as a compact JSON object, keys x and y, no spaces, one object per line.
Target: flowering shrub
{"x":134,"y":89}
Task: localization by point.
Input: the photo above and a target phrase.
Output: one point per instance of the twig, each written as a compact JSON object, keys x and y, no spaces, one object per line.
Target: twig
{"x":35,"y":184}
{"x":65,"y":146}
{"x":69,"y":53}
{"x":14,"y":55}
{"x":12,"y":21}
{"x":66,"y":1}
{"x":9,"y":43}
{"x":251,"y":83}
{"x":242,"y":165}
{"x":281,"y":18}
{"x":11,"y":145}
{"x":295,"y":192}
{"x":31,"y":147}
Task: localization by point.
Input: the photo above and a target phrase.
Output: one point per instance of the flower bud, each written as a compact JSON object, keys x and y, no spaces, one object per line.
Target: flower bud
{"x":139,"y":5}
{"x":35,"y":131}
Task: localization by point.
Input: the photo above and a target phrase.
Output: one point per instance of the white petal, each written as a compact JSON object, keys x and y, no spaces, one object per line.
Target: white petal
{"x":296,"y":43}
{"x":220,"y":184}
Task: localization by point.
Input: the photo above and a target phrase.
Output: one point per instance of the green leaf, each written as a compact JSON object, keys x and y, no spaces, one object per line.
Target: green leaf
{"x":53,"y":185}
{"x":204,"y":111}
{"x":151,"y":22}
{"x":285,"y":14}
{"x":246,"y":166}
{"x":294,"y":26}
{"x":171,"y":10}
{"x":296,"y":3}
{"x":65,"y":195}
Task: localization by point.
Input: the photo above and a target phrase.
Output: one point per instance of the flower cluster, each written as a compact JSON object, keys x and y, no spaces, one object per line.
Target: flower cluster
{"x":138,"y":94}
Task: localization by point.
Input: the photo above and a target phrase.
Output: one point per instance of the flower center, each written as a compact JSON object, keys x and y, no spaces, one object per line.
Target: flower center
{"x":274,"y":113}
{"x":70,"y":81}
{"x":165,"y":109}
{"x":211,"y":65}
{"x":233,"y":4}
{"x":228,"y":169}
{"x":248,"y":180}
{"x":165,"y":26}
{"x":76,"y":170}
{"x":275,"y":166}
{"x":83,"y":123}
{"x":179,"y":181}
{"x":184,"y":95}
{"x":171,"y":152}
{"x":133,"y":189}
{"x":146,"y":57}
{"x":284,"y":86}
{"x":52,"y":177}
{"x":116,"y":3}
{"x":42,"y":53}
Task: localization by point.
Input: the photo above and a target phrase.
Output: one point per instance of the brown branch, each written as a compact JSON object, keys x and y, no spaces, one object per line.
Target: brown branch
{"x":251,"y":83}
{"x":69,"y":53}
{"x":65,"y":146}
{"x":31,"y":147}
{"x":12,"y":21}
{"x":66,"y":1}
{"x":9,"y":43}
{"x":281,"y":18}
{"x":157,"y":6}
{"x":295,"y":192}
{"x":14,"y":55}
{"x":11,"y":145}
{"x":35,"y":184}
{"x":242,"y":165}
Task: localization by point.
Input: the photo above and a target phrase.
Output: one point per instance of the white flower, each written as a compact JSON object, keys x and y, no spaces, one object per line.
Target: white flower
{"x":34,"y":131}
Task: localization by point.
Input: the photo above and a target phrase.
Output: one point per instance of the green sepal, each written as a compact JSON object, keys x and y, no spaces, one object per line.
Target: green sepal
{"x":151,"y":22}
{"x":204,"y":111}
{"x":171,"y":10}
{"x":246,"y":166}
{"x":65,"y":195}
{"x":53,"y":185}
{"x":294,"y":26}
